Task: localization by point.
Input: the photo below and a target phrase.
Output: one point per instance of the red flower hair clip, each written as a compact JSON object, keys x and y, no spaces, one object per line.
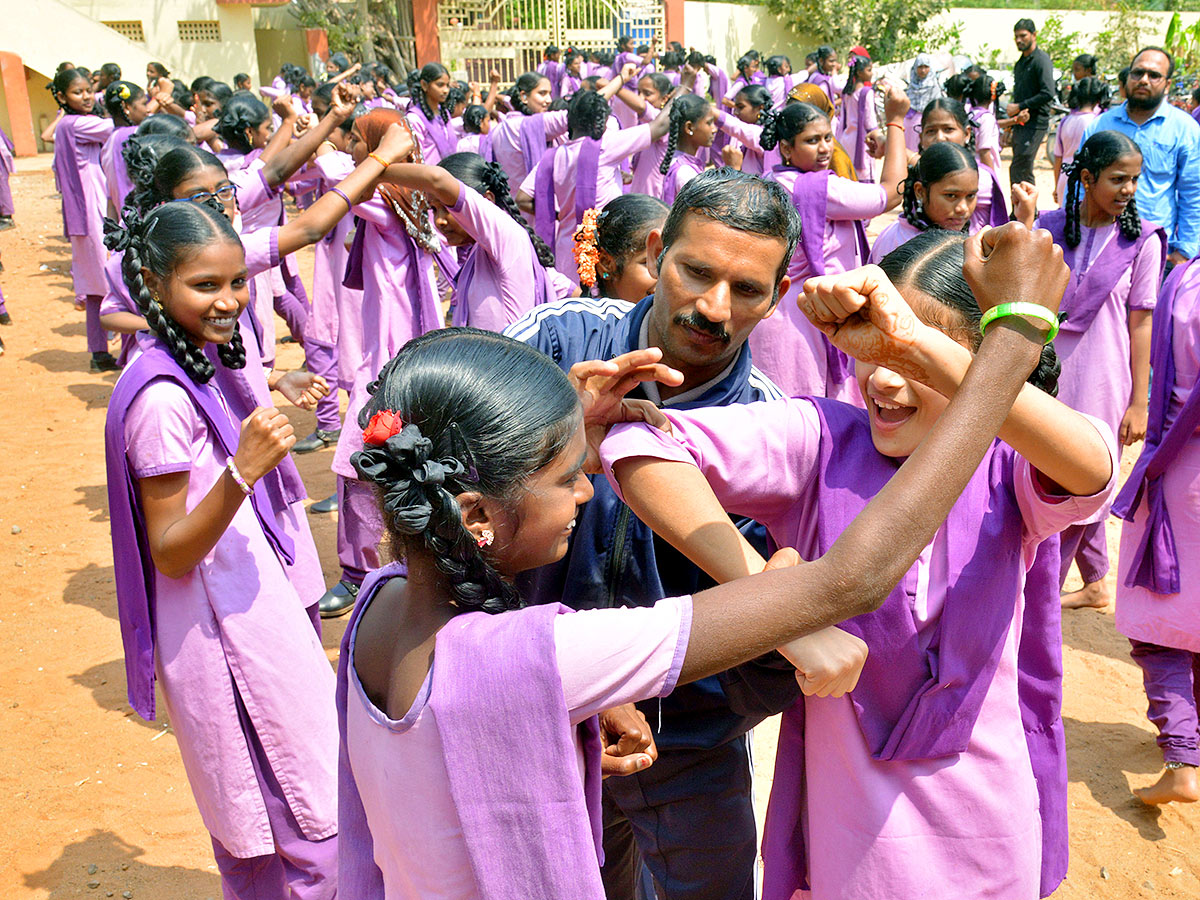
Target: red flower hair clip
{"x":382,"y":426}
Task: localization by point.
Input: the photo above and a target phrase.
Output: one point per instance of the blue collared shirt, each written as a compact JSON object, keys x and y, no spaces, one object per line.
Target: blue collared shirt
{"x":1169,"y":189}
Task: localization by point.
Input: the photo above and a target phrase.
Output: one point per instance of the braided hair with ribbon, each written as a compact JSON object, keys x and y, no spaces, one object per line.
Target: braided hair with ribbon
{"x":443,"y":422}
{"x":158,"y":242}
{"x":117,"y":96}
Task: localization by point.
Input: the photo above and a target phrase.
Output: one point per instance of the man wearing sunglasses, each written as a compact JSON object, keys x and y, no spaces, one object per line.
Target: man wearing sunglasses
{"x":1168,"y":192}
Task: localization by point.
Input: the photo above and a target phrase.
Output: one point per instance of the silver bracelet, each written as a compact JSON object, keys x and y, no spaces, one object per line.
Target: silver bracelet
{"x":1176,"y":764}
{"x":237,"y":476}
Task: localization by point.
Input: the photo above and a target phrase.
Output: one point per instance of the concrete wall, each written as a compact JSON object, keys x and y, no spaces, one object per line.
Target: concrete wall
{"x":235,"y":52}
{"x":729,"y":29}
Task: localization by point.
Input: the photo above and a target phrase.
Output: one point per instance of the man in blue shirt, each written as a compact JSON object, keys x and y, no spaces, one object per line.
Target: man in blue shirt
{"x":1168,"y":191}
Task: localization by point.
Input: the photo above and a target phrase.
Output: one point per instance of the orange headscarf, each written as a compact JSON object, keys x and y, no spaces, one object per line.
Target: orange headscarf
{"x":372,"y":127}
{"x":815,"y":96}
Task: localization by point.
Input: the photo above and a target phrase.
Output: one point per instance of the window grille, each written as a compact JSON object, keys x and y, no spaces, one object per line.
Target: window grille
{"x":199,"y":31}
{"x":130,"y":30}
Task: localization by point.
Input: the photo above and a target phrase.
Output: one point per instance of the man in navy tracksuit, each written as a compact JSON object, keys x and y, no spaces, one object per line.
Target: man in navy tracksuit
{"x":720,"y":262}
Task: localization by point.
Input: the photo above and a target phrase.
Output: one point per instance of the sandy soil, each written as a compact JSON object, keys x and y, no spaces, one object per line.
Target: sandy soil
{"x":94,"y":801}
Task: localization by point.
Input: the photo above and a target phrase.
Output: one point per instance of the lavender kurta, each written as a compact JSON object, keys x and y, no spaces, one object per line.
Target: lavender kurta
{"x":1096,"y":377}
{"x":1172,"y":620}
{"x":506,"y":143}
{"x":78,"y":146}
{"x":399,"y":302}
{"x":329,"y":268}
{"x":684,"y":167}
{"x":502,"y":287}
{"x":755,"y":160}
{"x":965,"y":825}
{"x":604,"y":658}
{"x":616,"y":145}
{"x":786,"y":346}
{"x":235,"y":628}
{"x":112,"y":163}
{"x":852,"y":135}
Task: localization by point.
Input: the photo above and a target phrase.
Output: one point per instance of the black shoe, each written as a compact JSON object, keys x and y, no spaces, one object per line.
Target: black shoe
{"x":328,"y":505}
{"x":104,"y":362}
{"x":318,"y":440}
{"x":7,"y":222}
{"x":5,"y":319}
{"x":338,"y":600}
{"x":288,"y":339}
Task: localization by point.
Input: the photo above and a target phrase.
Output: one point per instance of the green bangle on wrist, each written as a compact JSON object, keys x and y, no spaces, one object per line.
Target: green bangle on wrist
{"x":1031,"y":310}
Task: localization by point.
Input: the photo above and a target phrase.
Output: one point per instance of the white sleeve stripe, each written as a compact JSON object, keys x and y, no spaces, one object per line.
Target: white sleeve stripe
{"x":527,"y":326}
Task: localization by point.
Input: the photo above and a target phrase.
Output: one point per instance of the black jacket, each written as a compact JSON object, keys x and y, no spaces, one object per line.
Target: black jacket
{"x":1033,"y":86}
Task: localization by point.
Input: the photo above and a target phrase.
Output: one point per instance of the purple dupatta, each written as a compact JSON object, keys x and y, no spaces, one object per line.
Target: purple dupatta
{"x":1087,"y":292}
{"x":546,"y":206}
{"x":1156,"y":563}
{"x":532,"y":137}
{"x":530,"y":830}
{"x":438,"y":131}
{"x":998,"y":214}
{"x":70,"y":184}
{"x":134,"y":571}
{"x":860,"y":142}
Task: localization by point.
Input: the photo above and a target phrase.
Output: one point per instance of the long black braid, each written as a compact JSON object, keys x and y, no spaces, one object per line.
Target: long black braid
{"x":1098,"y":152}
{"x":428,"y":73}
{"x":482,"y":176}
{"x":685,"y":108}
{"x":157,"y":243}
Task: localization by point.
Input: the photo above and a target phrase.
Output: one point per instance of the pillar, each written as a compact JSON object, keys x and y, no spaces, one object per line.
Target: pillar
{"x":425,"y":29}
{"x":16,"y":95}
{"x":673,"y":16}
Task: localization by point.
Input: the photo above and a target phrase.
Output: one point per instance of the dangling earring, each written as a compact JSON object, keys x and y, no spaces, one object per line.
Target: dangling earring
{"x":485,"y":538}
{"x":920,"y":205}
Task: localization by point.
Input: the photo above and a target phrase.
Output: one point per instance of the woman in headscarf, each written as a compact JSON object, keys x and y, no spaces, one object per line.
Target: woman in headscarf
{"x":810,"y":93}
{"x":923,"y":86}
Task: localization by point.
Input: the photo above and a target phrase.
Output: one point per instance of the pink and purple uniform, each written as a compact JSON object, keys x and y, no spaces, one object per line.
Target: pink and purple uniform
{"x":869,"y":796}
{"x":859,"y":119}
{"x":1158,"y":604}
{"x":112,"y":163}
{"x":1067,"y":142}
{"x":755,"y":160}
{"x":78,"y":141}
{"x":899,"y":232}
{"x":516,"y":144}
{"x":429,"y":845}
{"x":684,"y":167}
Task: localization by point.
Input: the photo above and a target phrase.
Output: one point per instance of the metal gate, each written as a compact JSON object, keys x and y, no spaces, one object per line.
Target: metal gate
{"x":477,"y":36}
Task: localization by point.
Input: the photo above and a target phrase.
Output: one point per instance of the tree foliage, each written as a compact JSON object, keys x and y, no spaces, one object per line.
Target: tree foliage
{"x":387,"y":24}
{"x":889,"y":29}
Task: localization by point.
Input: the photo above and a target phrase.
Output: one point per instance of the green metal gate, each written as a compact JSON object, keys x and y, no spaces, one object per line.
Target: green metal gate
{"x":477,"y":36}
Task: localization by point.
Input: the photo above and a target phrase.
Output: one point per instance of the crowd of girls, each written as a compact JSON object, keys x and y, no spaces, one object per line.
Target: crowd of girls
{"x":443,"y":213}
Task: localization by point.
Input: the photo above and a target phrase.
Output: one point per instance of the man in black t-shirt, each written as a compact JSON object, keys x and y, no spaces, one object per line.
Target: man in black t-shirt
{"x":1033,"y":90}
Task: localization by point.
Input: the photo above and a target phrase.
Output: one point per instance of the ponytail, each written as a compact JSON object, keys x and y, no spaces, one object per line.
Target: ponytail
{"x":685,"y":108}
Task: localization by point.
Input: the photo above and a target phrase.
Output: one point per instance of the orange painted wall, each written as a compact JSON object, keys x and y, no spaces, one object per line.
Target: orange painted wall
{"x":16,"y":96}
{"x":425,"y":29}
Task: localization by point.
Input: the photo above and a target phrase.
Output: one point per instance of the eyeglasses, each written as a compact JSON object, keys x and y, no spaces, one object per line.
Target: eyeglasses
{"x":225,"y":193}
{"x":1149,"y":74}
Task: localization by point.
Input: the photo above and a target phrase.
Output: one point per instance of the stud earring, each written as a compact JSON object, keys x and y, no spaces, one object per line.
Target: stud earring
{"x":485,"y":538}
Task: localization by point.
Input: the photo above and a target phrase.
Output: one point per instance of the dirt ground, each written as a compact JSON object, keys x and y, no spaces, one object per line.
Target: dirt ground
{"x":93,"y":799}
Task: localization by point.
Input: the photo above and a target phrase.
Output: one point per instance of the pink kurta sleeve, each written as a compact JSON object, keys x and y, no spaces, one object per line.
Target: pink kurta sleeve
{"x":92,"y":129}
{"x":375,"y":210}
{"x":160,"y":428}
{"x":617,"y":145}
{"x":1046,"y":513}
{"x":1146,"y":272}
{"x":560,"y":285}
{"x":746,"y":133}
{"x":854,"y":200}
{"x":252,"y":187}
{"x":494,"y":230}
{"x":607,"y":657}
{"x":758,"y":457}
{"x":555,"y":123}
{"x":262,"y":250}
{"x":529,"y":184}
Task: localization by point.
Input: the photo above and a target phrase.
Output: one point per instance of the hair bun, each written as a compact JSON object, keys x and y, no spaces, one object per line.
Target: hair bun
{"x":402,"y":465}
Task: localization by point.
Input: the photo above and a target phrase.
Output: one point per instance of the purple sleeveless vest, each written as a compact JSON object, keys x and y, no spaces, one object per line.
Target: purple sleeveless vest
{"x":530,"y":831}
{"x":134,"y":570}
{"x":1156,"y":563}
{"x":1086,"y":293}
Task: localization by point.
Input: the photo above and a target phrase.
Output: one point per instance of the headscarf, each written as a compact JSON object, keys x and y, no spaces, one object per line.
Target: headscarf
{"x":842,"y":164}
{"x":922,"y":90}
{"x":411,"y":206}
{"x":373,"y":126}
